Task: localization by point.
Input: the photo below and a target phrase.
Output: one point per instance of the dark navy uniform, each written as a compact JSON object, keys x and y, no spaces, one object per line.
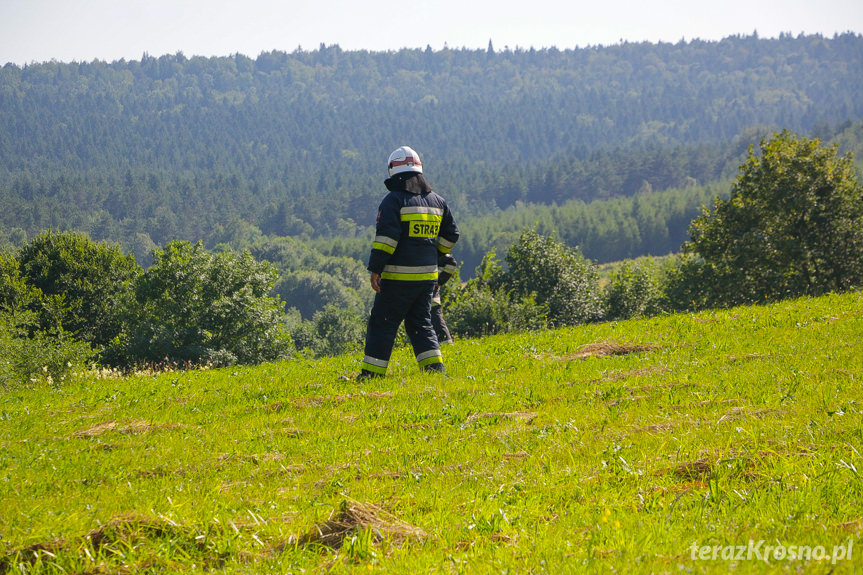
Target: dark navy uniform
{"x":414,"y":227}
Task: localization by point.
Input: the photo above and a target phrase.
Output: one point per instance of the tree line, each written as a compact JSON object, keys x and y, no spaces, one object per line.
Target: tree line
{"x":212,"y":149}
{"x":792,"y":225}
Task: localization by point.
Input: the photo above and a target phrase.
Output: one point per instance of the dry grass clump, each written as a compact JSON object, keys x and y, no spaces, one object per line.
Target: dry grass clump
{"x":134,"y":426}
{"x":620,"y":400}
{"x":120,"y":528}
{"x":527,"y":416}
{"x":653,"y":428}
{"x":705,"y":403}
{"x":353,"y":517}
{"x":316,"y":400}
{"x":644,"y":371}
{"x":698,"y":469}
{"x":737,"y":413}
{"x":747,"y":357}
{"x":855,"y":525}
{"x":607,"y":348}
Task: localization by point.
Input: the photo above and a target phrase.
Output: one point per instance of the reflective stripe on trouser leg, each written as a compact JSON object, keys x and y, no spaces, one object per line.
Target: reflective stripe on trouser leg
{"x":429,"y":357}
{"x":375,"y":365}
{"x":381,"y":331}
{"x":397,"y":301}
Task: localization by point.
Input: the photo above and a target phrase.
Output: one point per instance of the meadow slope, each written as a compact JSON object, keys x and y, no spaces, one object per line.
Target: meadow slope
{"x":635,"y":447}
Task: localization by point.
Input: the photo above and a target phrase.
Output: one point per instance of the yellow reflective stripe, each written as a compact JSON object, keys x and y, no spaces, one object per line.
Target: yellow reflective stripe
{"x":445,"y":243}
{"x":374,"y":368}
{"x":409,"y":273}
{"x":386,"y":240}
{"x":385,"y":244}
{"x":383,"y":247}
{"x":375,"y":361}
{"x":375,"y":365}
{"x":409,"y":277}
{"x":430,"y":360}
{"x":428,"y":354}
{"x":420,"y":210}
{"x":421,"y":218}
{"x":410,"y":269}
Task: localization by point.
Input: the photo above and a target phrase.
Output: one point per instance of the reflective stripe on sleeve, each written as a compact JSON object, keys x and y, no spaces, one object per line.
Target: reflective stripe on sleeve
{"x":444,"y":246}
{"x":385,"y":244}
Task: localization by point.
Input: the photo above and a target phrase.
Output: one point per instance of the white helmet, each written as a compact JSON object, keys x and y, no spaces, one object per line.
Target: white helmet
{"x":404,"y":159}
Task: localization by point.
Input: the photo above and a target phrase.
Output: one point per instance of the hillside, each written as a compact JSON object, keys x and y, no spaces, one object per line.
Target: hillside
{"x":642,"y":446}
{"x":294,"y":144}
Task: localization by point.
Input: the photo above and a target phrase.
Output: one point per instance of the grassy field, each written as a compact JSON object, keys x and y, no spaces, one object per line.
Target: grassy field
{"x":720,"y":441}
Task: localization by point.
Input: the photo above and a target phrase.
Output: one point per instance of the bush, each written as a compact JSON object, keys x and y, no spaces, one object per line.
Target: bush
{"x":193,"y":306}
{"x":332,"y":331}
{"x":559,"y":277}
{"x":28,"y":355}
{"x":85,"y":286}
{"x":312,"y":291}
{"x":479,"y":311}
{"x":484,"y":306}
{"x":15,"y":293}
{"x":793,"y":226}
{"x":635,"y":289}
{"x":689,"y":284}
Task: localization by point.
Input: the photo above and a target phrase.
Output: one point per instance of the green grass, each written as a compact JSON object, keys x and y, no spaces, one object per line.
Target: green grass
{"x":537,"y":454}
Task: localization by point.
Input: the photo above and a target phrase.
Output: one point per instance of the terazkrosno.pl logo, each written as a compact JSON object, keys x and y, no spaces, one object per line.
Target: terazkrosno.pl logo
{"x":762,"y":551}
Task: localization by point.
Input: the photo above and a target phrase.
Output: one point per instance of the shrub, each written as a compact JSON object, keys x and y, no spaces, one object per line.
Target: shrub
{"x":793,"y":225}
{"x":89,"y":282}
{"x":484,"y":306}
{"x":194,"y":306}
{"x":312,"y":291}
{"x":558,"y":276}
{"x":634,"y":289}
{"x":28,"y":354}
{"x":478,"y":311}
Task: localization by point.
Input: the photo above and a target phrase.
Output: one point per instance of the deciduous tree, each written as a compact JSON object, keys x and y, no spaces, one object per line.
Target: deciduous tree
{"x":559,"y":276}
{"x":793,"y":225}
{"x":196,"y":306}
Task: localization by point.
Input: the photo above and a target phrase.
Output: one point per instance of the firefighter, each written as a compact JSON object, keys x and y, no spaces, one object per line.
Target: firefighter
{"x":447,"y":266}
{"x":414,"y":227}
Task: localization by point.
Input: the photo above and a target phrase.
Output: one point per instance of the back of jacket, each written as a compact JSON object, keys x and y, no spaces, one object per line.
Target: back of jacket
{"x":413,"y":229}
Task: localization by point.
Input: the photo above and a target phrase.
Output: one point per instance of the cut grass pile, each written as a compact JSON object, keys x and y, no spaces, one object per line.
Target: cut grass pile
{"x":647,"y":446}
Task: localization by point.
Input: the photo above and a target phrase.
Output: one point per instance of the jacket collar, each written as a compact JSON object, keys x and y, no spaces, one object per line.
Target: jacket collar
{"x":410,"y":182}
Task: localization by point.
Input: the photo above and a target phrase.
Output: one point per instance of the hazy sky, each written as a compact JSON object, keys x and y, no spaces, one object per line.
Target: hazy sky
{"x":84,"y":30}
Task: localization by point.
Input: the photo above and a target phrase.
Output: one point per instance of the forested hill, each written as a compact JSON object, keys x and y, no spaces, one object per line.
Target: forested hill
{"x":295,"y":143}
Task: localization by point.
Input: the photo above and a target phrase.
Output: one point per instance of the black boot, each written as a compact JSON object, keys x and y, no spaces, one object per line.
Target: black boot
{"x":435,"y":368}
{"x":366,"y":374}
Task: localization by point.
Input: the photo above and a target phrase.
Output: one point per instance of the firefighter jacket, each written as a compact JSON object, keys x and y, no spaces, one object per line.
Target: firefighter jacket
{"x":414,"y":227}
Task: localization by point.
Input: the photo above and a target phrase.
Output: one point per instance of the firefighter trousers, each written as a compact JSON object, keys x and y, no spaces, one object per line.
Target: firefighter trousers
{"x":402,"y":301}
{"x":440,"y":327}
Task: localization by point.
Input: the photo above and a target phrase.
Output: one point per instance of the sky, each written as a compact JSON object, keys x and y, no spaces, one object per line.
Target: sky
{"x":85,"y":30}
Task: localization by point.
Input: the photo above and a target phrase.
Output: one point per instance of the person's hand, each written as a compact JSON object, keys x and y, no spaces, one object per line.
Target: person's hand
{"x":376,"y":282}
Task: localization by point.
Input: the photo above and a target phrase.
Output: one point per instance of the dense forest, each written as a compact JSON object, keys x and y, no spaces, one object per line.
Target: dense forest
{"x":227,"y":150}
{"x":186,"y":211}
